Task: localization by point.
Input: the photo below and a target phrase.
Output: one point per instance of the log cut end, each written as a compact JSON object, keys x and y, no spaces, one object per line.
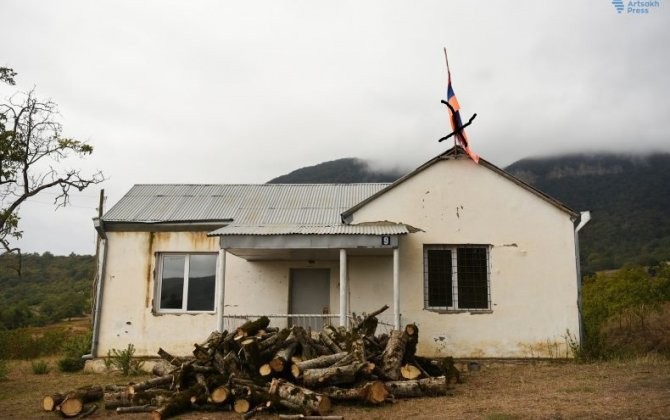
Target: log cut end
{"x":71,"y":407}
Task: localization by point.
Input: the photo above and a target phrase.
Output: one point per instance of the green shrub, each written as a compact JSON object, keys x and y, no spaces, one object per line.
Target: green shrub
{"x":70,"y":364}
{"x":73,"y":350}
{"x":40,"y":367}
{"x":4,"y":369}
{"x":22,"y":343}
{"x":625,"y":313}
{"x":123,"y":361}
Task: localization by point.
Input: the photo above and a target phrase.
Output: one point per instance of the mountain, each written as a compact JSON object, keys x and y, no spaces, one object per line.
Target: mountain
{"x":628,"y":196}
{"x":340,"y":171}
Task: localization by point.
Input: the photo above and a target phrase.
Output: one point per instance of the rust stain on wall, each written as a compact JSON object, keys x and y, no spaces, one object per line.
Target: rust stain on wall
{"x":149,"y":275}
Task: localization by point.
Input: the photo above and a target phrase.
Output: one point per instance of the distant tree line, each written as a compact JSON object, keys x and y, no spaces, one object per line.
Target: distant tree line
{"x":51,"y":288}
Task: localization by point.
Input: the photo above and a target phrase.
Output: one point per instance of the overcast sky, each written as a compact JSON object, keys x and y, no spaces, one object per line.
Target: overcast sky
{"x":242,"y":92}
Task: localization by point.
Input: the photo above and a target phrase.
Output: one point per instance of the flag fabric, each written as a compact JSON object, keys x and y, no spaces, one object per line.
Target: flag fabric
{"x":455,"y":118}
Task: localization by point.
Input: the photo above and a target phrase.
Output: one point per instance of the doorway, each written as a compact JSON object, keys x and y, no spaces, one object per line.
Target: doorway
{"x":309,"y":293}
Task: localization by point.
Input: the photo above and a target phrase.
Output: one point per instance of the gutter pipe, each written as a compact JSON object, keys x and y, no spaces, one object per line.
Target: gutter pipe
{"x":584,"y":218}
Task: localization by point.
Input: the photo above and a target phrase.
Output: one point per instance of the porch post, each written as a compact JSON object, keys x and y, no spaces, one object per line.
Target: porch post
{"x":343,"y":287}
{"x":221,"y":271}
{"x":396,"y":289}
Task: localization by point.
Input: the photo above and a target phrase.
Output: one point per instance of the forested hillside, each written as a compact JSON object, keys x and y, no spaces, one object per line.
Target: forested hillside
{"x":50,"y":288}
{"x":629,"y":200}
{"x":343,"y":171}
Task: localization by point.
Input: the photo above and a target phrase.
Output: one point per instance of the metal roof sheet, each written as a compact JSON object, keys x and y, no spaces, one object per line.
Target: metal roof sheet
{"x":371,"y":229}
{"x":252,"y":205}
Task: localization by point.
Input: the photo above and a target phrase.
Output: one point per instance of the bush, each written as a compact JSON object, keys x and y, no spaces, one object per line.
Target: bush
{"x":40,"y":367}
{"x":70,"y":364}
{"x":22,"y":343}
{"x":73,"y":350}
{"x":123,"y":361}
{"x":626,"y":313}
{"x":4,"y":369}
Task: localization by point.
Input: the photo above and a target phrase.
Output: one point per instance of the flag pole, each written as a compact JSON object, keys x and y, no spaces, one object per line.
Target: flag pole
{"x":446,"y":59}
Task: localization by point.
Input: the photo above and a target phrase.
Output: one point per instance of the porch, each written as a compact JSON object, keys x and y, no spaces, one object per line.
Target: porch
{"x":313,"y":245}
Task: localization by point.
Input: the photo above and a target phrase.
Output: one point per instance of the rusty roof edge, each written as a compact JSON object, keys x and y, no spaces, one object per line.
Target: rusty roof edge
{"x":455,"y":152}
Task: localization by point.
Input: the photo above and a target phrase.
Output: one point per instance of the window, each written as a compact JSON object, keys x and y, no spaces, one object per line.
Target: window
{"x":186,"y":282}
{"x":456,"y":277}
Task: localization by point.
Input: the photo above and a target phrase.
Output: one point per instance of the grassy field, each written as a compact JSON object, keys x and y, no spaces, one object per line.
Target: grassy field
{"x":553,"y":390}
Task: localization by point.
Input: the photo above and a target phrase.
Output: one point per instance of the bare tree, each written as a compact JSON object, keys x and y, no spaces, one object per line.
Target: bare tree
{"x":32,"y":154}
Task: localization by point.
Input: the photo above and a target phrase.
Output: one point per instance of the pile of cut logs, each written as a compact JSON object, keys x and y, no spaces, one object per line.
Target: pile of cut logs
{"x":257,"y":369}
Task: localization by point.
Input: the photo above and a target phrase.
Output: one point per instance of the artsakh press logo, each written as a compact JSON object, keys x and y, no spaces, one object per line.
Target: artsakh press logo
{"x":618,"y":5}
{"x":635,"y":7}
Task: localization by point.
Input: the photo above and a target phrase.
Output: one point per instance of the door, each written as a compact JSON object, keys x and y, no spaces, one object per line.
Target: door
{"x":309,"y":294}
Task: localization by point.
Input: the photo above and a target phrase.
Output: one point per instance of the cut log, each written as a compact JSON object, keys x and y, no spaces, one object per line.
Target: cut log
{"x":88,"y":410}
{"x":410,"y":371}
{"x":50,"y":402}
{"x":178,"y":403}
{"x":309,"y":401}
{"x":412,"y":334}
{"x":71,"y":407}
{"x":241,"y":405}
{"x":160,"y":382}
{"x":265,"y":370}
{"x":220,"y":394}
{"x":173,"y":360}
{"x":252,"y":327}
{"x":393,"y":355}
{"x":280,"y":361}
{"x":113,"y":400}
{"x":303,"y":417}
{"x":418,"y":388}
{"x":250,"y":349}
{"x":331,"y":375}
{"x":308,"y":351}
{"x":368,"y":325}
{"x":332,"y":346}
{"x":136,"y":409}
{"x":275,"y":341}
{"x":317,"y":362}
{"x":374,"y":392}
{"x":73,"y":402}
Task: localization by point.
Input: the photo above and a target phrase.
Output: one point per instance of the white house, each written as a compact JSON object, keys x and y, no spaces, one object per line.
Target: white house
{"x":484,"y":264}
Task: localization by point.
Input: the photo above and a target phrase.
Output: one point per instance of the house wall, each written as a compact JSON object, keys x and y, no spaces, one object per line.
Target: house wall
{"x":532,"y":259}
{"x":128,"y":315}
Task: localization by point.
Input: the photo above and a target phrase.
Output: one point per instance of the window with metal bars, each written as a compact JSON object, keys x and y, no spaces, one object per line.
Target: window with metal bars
{"x":456,"y":277}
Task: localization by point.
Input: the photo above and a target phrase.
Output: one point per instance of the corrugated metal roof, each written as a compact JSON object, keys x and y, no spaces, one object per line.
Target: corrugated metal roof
{"x":250,"y":205}
{"x":377,"y":229}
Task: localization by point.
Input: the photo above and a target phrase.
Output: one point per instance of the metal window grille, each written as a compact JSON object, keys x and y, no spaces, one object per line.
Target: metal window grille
{"x":457,"y":277}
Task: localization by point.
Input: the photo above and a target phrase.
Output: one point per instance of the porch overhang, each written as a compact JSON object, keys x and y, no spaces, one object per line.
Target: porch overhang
{"x":308,"y":242}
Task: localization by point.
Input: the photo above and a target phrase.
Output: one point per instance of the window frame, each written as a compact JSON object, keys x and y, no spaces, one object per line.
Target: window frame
{"x":454,"y":308}
{"x":187,"y":261}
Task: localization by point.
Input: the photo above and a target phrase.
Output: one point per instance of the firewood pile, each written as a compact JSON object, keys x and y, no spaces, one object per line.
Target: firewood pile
{"x":256,"y":369}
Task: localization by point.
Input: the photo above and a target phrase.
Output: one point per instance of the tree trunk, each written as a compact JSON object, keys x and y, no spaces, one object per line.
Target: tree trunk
{"x":412,"y":333}
{"x":73,"y":402}
{"x":418,"y":388}
{"x":50,"y":402}
{"x":309,"y":401}
{"x":332,"y":346}
{"x":160,"y":382}
{"x":410,"y":371}
{"x":252,"y":327}
{"x":331,"y":375}
{"x":393,"y":355}
{"x":220,"y":394}
{"x":374,"y":392}
{"x":113,"y":400}
{"x":319,"y":362}
{"x":280,"y":361}
{"x":136,"y":409}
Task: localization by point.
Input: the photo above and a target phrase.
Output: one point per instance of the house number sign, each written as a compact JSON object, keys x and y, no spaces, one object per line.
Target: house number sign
{"x":386,"y":240}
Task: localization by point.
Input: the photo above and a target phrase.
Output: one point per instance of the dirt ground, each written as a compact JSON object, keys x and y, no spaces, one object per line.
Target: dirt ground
{"x":539,"y":390}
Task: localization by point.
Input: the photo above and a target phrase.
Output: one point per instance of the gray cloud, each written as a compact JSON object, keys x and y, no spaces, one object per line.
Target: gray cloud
{"x":213,"y":91}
